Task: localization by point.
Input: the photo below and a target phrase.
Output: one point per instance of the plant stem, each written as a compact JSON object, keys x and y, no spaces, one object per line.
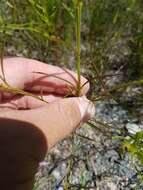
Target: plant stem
{"x":1,"y":61}
{"x":78,"y":43}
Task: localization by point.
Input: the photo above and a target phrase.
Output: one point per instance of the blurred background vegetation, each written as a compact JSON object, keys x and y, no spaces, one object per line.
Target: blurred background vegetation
{"x":48,"y":26}
{"x":112,"y":43}
{"x":112,"y":32}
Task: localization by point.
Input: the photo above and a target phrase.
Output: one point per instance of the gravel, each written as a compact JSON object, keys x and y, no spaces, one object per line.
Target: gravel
{"x":96,"y":162}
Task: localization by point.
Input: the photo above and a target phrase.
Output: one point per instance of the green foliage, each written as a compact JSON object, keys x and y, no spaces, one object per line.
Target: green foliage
{"x":37,"y":22}
{"x":134,"y":145}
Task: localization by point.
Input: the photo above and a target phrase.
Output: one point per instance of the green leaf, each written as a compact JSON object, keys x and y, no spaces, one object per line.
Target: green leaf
{"x":69,"y":10}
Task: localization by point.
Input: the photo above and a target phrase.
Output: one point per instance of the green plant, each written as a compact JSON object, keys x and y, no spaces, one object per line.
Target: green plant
{"x":134,"y":145}
{"x":78,"y":6}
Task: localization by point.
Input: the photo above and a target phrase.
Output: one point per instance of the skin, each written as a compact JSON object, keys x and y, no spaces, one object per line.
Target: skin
{"x":29,"y":127}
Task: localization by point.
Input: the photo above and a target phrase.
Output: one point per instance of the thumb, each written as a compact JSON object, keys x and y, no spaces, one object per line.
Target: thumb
{"x":57,"y":119}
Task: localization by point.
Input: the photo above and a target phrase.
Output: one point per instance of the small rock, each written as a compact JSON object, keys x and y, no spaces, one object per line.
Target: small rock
{"x":133,"y":128}
{"x":60,"y":188}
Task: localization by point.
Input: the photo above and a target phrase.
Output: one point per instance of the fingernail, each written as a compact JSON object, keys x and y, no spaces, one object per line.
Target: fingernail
{"x":86,"y":107}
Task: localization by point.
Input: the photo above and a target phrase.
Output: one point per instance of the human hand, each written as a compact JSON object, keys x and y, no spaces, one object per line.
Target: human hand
{"x":28,"y":127}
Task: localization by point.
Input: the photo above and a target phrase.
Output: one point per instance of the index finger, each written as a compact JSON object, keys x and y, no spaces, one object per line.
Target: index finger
{"x":35,"y":76}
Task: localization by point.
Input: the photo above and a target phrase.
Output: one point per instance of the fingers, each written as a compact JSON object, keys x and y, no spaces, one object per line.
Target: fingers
{"x":27,"y":74}
{"x":27,"y":102}
{"x":57,"y":119}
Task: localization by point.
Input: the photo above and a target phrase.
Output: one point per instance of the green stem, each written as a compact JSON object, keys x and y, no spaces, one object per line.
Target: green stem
{"x":78,"y":42}
{"x":1,"y":61}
